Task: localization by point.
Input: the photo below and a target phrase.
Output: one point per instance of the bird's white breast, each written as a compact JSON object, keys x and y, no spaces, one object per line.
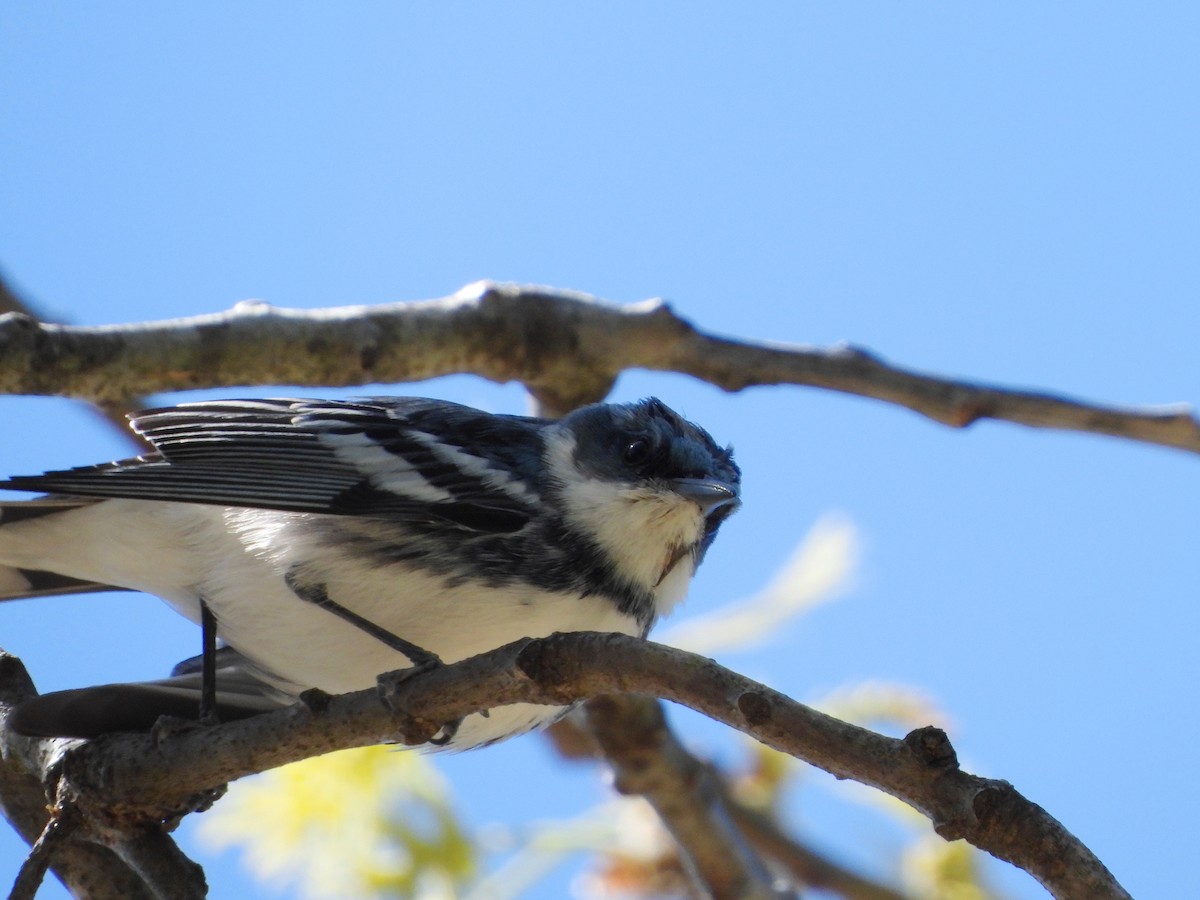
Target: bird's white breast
{"x":640,"y":528}
{"x":236,"y":560}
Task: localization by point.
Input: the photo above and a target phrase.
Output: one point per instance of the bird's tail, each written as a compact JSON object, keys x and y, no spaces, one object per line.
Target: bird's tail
{"x":33,"y":544}
{"x":20,"y":582}
{"x":137,"y":706}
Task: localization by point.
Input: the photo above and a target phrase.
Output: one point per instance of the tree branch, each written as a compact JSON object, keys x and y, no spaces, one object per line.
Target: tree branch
{"x":113,"y":784}
{"x":111,"y":409}
{"x":676,"y":769}
{"x":804,"y":864}
{"x":567,"y":348}
{"x":88,"y":870}
{"x":647,"y":760}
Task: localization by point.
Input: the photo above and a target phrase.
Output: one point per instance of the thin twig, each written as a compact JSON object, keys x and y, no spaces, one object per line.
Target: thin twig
{"x":57,"y":832}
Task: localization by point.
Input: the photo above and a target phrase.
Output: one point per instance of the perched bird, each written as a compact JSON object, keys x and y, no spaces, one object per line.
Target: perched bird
{"x":333,"y":541}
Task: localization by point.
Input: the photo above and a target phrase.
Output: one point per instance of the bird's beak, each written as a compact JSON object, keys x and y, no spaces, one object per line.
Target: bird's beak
{"x":707,"y":493}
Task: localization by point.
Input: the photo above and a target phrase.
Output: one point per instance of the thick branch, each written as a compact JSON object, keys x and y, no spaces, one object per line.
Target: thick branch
{"x":567,"y":348}
{"x":88,"y":870}
{"x":115,"y":784}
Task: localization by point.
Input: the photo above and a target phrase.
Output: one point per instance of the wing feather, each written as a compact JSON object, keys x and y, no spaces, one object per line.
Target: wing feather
{"x":394,"y":457}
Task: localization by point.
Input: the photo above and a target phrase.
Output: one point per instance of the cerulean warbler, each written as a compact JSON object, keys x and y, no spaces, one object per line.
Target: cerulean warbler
{"x":334,"y":541}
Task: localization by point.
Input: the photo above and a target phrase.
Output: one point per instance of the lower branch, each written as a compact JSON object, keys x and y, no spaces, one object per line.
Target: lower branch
{"x":650,"y":762}
{"x":675,"y":771}
{"x":130,"y":780}
{"x":88,"y":870}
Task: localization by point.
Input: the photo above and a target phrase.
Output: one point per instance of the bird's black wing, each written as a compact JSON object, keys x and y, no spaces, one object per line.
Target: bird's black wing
{"x":402,"y":458}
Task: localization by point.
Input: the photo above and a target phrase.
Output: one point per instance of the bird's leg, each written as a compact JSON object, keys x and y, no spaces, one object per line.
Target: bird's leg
{"x":315,"y":594}
{"x":208,"y":665}
{"x":422,"y":660}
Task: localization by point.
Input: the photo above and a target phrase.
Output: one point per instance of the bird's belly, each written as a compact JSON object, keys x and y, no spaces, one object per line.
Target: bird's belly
{"x":300,"y":645}
{"x":309,"y":646}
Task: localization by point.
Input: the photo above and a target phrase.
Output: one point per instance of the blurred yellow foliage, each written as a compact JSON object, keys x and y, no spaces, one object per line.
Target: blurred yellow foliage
{"x":937,"y":870}
{"x":365,"y":822}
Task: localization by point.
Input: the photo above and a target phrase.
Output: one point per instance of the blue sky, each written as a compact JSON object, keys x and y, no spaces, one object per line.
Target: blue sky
{"x":1004,"y":192}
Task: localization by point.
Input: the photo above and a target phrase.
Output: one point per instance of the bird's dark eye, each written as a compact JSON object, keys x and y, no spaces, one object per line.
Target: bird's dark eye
{"x":637,"y":452}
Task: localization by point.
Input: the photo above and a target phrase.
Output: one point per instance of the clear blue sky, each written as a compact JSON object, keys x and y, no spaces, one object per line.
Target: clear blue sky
{"x":1007,"y":192}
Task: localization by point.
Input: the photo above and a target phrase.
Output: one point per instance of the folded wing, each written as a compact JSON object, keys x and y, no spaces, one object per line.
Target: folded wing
{"x":404,"y":458}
